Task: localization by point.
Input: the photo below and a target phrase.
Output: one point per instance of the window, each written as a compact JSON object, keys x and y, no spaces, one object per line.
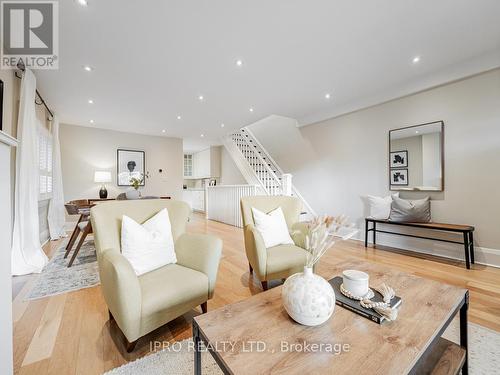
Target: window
{"x":44,"y":163}
{"x":188,"y":165}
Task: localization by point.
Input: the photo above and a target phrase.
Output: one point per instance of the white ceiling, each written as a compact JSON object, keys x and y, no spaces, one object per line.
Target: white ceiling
{"x":152,"y":59}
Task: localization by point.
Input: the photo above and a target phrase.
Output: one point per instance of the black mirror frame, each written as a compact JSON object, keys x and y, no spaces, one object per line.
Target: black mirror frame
{"x":442,"y":156}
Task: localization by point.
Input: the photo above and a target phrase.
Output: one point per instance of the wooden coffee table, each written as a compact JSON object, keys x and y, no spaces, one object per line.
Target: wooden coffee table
{"x":256,"y":336}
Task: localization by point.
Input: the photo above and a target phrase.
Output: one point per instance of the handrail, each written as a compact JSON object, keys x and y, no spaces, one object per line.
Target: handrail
{"x":277,"y":167}
{"x":266,"y":173}
{"x":242,"y":162}
{"x":254,"y":139}
{"x":261,"y":159}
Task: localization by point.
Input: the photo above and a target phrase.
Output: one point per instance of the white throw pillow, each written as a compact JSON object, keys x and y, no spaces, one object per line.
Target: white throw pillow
{"x":272,"y":227}
{"x":148,"y":246}
{"x":380,"y":207}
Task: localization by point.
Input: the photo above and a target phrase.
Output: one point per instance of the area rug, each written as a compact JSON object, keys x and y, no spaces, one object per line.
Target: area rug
{"x":57,"y":278}
{"x":176,"y":361}
{"x":484,"y":356}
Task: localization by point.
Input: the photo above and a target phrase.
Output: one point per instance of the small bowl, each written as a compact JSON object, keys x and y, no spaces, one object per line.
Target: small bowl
{"x":356,"y":282}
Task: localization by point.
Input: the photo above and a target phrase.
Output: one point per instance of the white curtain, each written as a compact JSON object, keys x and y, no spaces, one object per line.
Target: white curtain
{"x":27,"y":254}
{"x":56,"y":217}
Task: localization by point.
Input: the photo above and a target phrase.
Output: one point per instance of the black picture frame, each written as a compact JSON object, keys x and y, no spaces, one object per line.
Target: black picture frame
{"x":404,"y":180}
{"x":394,"y":155}
{"x":1,"y":105}
{"x":124,"y":160}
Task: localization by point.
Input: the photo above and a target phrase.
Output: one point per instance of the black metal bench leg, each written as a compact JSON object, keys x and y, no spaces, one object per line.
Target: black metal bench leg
{"x":366,"y":233}
{"x":374,"y":233}
{"x":466,"y":247}
{"x":471,"y":244}
{"x":464,"y":341}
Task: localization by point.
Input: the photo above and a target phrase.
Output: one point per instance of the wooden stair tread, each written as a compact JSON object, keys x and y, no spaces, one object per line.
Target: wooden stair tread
{"x":445,"y":358}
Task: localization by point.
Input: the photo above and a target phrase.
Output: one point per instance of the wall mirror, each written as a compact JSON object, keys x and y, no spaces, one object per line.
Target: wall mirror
{"x":416,"y":161}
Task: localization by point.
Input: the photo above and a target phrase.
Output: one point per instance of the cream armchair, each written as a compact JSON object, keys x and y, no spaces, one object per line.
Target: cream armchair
{"x":140,"y":304}
{"x":280,"y":261}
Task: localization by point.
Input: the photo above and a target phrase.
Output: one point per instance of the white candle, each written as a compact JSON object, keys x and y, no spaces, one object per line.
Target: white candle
{"x":356,"y":282}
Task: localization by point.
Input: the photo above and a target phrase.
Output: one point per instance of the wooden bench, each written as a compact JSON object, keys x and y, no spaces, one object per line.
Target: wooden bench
{"x":465,"y":230}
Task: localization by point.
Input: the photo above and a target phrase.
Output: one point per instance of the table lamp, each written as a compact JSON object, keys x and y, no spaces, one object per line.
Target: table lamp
{"x":102,"y":177}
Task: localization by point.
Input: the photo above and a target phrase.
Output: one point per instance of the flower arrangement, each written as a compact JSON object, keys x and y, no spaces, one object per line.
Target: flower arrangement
{"x":319,"y":236}
{"x":308,"y":298}
{"x":137,"y":181}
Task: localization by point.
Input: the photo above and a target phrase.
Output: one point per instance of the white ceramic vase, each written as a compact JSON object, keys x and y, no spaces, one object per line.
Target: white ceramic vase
{"x":132,"y":194}
{"x":308,"y":298}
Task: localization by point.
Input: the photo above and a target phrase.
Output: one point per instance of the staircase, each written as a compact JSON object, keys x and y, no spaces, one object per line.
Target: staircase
{"x":259,"y":168}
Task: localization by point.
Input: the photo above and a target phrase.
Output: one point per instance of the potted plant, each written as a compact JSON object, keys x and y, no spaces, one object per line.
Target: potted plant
{"x":136,"y":182}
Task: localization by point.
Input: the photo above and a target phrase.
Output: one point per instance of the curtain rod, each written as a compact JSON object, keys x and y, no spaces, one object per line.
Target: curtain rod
{"x":22,"y":68}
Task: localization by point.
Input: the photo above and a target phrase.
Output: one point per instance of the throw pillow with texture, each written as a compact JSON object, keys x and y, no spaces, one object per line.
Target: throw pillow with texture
{"x":416,"y":210}
{"x":272,"y":227}
{"x":380,"y":207}
{"x":150,"y":245}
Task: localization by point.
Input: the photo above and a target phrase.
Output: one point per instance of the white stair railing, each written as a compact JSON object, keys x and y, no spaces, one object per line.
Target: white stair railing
{"x":268,"y":180}
{"x":277,"y":168}
{"x":263,"y":170}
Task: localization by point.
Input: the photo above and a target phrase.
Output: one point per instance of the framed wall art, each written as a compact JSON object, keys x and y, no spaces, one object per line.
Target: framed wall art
{"x":130,"y":164}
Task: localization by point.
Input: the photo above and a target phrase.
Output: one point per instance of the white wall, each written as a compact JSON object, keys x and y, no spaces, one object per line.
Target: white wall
{"x":229,"y":172}
{"x":337,"y":161}
{"x":85,"y":149}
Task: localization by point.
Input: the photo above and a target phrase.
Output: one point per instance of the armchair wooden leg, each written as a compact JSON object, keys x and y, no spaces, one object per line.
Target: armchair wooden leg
{"x":204,"y":307}
{"x":130,"y":346}
{"x":250,"y":267}
{"x":264,"y":285}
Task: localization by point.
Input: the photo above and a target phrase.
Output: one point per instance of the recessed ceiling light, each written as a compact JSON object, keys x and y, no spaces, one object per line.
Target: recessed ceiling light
{"x":201,"y":97}
{"x":416,"y":131}
{"x":222,"y":125}
{"x":327,"y":96}
{"x":83,"y":3}
{"x":91,"y":121}
{"x":91,"y":101}
{"x":179,"y":117}
{"x":239,"y":62}
{"x":416,"y":60}
{"x":250,"y":109}
{"x":202,"y":135}
{"x":163,"y":131}
{"x":87,"y":68}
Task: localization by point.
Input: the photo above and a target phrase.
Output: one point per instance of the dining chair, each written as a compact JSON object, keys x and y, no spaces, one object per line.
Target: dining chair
{"x":86,"y":228}
{"x":77,"y":207}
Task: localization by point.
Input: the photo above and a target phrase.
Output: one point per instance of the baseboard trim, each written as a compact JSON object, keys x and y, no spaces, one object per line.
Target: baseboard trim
{"x":483,"y":255}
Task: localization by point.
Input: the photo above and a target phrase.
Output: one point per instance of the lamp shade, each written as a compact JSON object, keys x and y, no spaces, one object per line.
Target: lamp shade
{"x":102,"y":176}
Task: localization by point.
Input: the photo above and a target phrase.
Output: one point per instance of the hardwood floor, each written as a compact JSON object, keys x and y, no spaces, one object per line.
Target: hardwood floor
{"x":71,"y":333}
